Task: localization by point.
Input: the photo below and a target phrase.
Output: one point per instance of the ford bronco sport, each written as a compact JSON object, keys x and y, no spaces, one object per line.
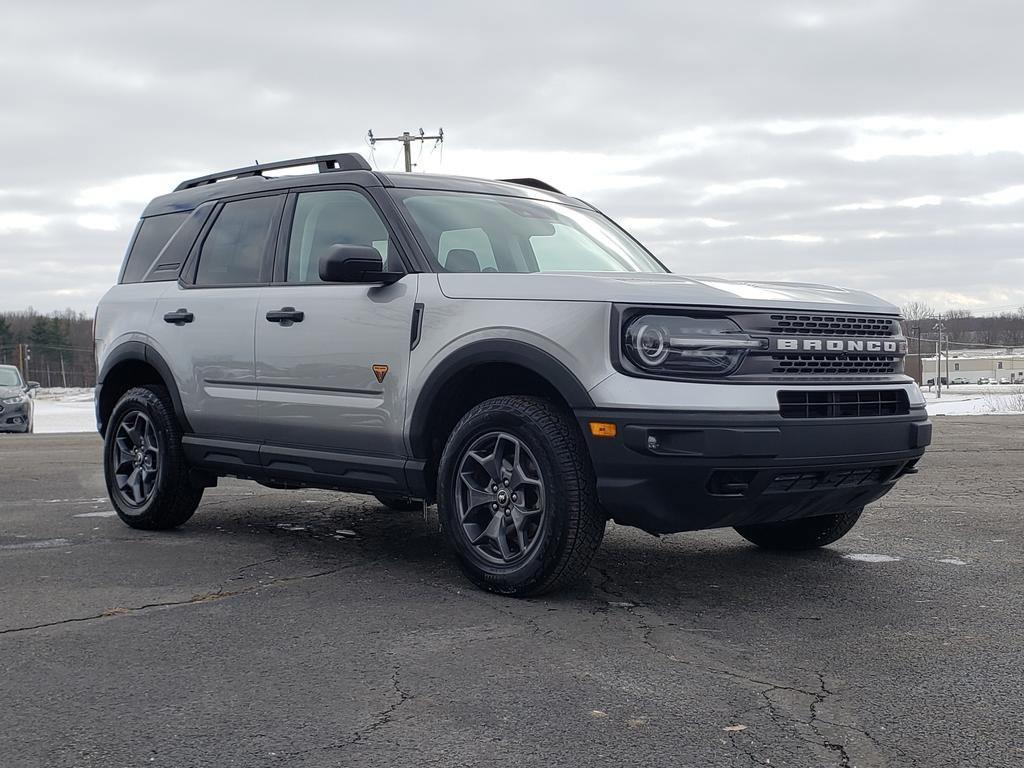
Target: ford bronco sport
{"x":496,"y":347}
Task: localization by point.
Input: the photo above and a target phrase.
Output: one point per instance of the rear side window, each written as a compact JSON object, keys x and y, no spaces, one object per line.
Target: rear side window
{"x":153,"y":234}
{"x":234,"y":250}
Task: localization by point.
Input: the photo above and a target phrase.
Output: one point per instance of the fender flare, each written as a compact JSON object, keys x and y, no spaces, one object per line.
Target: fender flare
{"x":476,"y":353}
{"x":139,"y":351}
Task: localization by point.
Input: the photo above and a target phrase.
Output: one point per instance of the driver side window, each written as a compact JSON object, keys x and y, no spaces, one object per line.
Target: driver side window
{"x":333,"y":217}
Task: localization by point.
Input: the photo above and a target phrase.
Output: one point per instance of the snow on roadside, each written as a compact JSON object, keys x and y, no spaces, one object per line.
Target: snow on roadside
{"x":65,"y":416}
{"x":976,"y":404}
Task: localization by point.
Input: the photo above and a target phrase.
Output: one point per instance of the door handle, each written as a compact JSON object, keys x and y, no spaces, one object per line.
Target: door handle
{"x":286,"y":316}
{"x":179,"y":317}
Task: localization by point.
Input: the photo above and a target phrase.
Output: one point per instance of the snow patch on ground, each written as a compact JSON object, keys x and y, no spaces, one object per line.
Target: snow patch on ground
{"x":75,"y":414}
{"x":979,"y":403}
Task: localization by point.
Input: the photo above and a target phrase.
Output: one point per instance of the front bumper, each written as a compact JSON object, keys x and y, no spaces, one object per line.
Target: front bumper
{"x":15,"y":417}
{"x":669,"y":471}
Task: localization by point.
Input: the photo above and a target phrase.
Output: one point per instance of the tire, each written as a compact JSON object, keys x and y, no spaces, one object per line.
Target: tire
{"x":398,"y":503}
{"x":548,"y":514}
{"x":805,"y":533}
{"x":143,"y":425}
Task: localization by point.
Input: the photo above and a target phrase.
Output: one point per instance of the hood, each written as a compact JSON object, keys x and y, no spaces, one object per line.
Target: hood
{"x":654,"y":288}
{"x":11,"y":391}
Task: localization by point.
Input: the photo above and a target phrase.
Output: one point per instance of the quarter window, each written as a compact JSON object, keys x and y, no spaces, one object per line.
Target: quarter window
{"x":333,"y":217}
{"x":234,"y":250}
{"x":154,"y":233}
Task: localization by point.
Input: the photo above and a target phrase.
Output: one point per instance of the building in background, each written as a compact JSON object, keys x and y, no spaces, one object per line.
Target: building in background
{"x":973,"y":366}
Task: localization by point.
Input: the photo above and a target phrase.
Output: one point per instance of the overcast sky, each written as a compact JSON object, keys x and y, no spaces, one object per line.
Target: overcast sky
{"x":878,"y":145}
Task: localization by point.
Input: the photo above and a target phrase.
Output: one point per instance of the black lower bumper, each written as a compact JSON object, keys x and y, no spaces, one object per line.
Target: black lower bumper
{"x":670,"y":471}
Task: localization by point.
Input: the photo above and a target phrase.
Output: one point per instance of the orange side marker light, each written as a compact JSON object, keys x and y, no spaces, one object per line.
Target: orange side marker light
{"x":602,"y":429}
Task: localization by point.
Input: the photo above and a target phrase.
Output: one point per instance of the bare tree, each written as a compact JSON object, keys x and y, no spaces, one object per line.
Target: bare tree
{"x":917,"y":310}
{"x":957,"y":324}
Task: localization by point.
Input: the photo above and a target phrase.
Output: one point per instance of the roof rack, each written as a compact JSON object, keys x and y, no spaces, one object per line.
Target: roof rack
{"x":346,"y":161}
{"x":535,"y":183}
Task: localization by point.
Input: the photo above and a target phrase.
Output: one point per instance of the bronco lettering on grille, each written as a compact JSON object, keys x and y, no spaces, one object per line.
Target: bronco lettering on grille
{"x":867,"y":346}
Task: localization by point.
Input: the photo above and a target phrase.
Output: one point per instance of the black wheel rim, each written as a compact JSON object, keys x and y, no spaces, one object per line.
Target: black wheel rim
{"x":499,"y":498}
{"x":136,"y":458}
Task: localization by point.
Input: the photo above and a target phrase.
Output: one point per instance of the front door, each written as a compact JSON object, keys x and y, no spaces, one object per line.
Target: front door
{"x":332,"y":359}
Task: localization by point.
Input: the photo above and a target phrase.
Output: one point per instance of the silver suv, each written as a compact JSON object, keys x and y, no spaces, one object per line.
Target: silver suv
{"x":496,"y":347}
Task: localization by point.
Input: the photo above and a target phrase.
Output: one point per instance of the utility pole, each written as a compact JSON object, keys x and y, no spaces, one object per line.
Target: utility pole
{"x":24,"y":355}
{"x":407,"y":139}
{"x":920,"y":364}
{"x":938,"y":358}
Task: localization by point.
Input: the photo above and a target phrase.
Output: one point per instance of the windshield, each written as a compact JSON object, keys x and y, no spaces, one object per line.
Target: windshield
{"x":465,"y":232}
{"x":9,"y":377}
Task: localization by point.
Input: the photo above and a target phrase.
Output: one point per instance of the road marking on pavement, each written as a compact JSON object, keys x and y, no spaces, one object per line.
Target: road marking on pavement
{"x":953,"y":561}
{"x":870,"y":558}
{"x":40,"y":544}
{"x":103,"y":513}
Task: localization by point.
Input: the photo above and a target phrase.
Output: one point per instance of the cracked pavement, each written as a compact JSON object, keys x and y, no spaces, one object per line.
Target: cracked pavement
{"x":264,"y":634}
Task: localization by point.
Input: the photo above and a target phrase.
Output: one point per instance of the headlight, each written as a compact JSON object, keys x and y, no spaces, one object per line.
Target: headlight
{"x":686,"y":346}
{"x":14,"y":400}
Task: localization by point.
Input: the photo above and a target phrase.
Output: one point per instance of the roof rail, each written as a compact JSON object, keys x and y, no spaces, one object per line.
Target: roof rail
{"x":346,"y":161}
{"x":535,"y":183}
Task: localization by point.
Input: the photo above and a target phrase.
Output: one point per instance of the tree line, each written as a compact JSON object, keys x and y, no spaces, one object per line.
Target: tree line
{"x":59,"y":346}
{"x":963,"y":328}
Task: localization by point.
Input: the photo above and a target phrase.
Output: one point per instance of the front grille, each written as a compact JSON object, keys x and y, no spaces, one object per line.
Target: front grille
{"x":841,"y":404}
{"x":808,"y":356}
{"x":833,"y":325}
{"x":790,"y":482}
{"x":815,"y":364}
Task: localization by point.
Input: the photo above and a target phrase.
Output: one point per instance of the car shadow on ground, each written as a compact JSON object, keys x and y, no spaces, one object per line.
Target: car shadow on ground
{"x":697,"y":573}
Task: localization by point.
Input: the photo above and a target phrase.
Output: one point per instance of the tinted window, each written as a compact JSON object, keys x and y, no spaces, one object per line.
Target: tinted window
{"x":153,"y":234}
{"x":234,"y":249}
{"x":333,"y":217}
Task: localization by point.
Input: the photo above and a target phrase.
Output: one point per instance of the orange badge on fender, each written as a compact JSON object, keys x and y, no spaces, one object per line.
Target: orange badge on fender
{"x":380,"y":371}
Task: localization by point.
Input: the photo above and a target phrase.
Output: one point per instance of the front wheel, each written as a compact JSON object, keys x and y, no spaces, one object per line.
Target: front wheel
{"x":144,"y":466}
{"x":805,"y":533}
{"x":516,"y":497}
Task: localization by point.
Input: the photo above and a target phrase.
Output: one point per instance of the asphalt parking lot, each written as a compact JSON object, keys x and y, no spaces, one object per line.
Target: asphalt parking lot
{"x":316,"y":629}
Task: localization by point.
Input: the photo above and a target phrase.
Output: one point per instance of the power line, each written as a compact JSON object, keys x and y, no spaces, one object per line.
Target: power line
{"x":406,"y":140}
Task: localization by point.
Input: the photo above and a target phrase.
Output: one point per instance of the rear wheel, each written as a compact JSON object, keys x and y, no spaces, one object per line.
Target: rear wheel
{"x":805,"y":533}
{"x":398,"y":503}
{"x":144,"y":466}
{"x":516,"y":497}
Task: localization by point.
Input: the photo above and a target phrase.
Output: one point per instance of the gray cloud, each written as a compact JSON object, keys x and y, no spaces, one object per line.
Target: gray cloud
{"x":737,"y":138}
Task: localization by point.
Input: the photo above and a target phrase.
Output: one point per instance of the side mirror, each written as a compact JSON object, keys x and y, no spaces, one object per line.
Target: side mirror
{"x":355,"y":264}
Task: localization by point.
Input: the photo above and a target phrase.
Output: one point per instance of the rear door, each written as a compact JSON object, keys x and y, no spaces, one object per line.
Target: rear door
{"x":333,"y":377}
{"x":205,"y":324}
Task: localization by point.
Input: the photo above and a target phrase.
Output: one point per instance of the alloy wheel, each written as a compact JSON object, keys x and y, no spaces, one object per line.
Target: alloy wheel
{"x":136,"y":458}
{"x":499,"y":498}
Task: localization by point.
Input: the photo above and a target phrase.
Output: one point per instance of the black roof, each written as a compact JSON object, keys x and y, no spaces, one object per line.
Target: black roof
{"x":348,"y":168}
